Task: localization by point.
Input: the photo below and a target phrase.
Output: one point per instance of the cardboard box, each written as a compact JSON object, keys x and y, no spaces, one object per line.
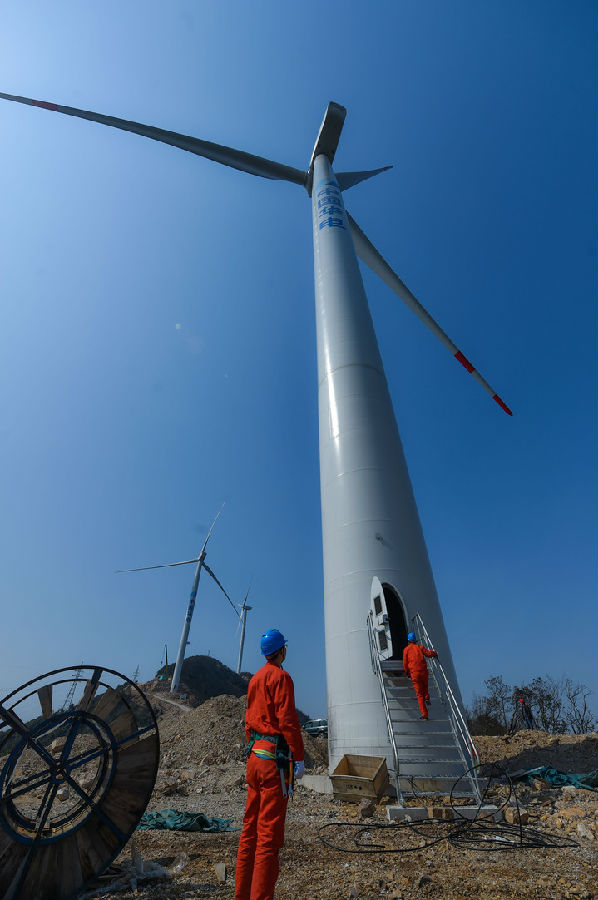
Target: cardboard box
{"x":356,"y":777}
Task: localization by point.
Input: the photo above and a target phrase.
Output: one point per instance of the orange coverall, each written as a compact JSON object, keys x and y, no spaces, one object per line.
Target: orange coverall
{"x":270,"y":710}
{"x":414,"y":663}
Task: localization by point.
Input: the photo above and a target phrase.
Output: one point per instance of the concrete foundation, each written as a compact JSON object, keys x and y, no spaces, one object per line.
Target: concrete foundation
{"x":417,"y":813}
{"x":321,"y":784}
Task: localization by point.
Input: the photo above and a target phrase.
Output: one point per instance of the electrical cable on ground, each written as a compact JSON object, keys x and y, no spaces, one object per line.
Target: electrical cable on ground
{"x":480,"y":833}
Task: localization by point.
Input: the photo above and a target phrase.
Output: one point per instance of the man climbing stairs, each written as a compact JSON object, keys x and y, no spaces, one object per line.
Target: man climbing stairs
{"x":432,"y":756}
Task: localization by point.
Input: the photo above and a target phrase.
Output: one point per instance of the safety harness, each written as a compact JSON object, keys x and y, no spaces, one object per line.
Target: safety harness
{"x":281,"y":755}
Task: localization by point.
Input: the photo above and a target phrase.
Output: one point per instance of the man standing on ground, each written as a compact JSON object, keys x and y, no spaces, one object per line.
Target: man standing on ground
{"x":272,"y":729}
{"x":416,"y":668}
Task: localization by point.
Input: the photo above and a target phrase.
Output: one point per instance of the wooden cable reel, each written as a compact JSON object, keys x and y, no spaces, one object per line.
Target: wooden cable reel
{"x":79,"y":752}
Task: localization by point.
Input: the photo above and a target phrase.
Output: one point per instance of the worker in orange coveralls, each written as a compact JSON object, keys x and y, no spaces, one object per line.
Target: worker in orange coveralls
{"x":416,"y":668}
{"x":274,"y":734}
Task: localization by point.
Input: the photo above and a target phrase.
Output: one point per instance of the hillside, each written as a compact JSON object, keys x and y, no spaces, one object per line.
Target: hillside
{"x":204,"y":677}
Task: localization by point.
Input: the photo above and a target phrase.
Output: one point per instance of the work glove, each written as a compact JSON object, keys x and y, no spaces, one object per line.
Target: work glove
{"x":299,"y":769}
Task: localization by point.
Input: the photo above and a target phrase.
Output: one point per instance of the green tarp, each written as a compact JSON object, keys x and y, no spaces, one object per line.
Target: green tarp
{"x":553,"y":776}
{"x":184,"y":821}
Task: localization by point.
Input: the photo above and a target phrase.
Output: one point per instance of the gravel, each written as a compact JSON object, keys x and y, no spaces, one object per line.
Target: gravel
{"x":202,"y":770}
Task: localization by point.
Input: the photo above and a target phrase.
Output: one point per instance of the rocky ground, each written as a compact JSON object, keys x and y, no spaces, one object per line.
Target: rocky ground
{"x":202,"y":770}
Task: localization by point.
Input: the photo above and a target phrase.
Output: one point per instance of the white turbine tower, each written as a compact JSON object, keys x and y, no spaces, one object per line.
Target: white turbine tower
{"x":370,"y":523}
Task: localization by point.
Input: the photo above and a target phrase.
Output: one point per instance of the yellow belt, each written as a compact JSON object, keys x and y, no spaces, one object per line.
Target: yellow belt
{"x":263,"y":754}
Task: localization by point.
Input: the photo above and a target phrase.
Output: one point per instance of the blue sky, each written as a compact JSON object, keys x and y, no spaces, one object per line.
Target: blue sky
{"x":158,"y":339}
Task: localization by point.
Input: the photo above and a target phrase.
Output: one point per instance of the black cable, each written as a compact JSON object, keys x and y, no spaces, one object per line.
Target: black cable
{"x":480,"y":833}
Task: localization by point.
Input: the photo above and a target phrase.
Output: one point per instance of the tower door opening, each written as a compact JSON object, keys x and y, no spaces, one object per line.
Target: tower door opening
{"x":397,"y":622}
{"x":388,"y":620}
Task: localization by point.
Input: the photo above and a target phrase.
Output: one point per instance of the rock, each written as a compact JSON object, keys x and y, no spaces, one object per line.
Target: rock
{"x":367,"y":809}
{"x":86,"y":779}
{"x":62,"y":794}
{"x":57,"y":745}
{"x":584,"y":831}
{"x":515,"y":816}
{"x":220,"y":869}
{"x":424,"y":879}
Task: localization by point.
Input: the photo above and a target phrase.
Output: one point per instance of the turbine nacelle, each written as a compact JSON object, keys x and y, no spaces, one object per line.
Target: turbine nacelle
{"x":328,"y":138}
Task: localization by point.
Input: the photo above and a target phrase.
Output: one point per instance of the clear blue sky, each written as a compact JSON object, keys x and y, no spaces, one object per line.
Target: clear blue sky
{"x":158,"y":339}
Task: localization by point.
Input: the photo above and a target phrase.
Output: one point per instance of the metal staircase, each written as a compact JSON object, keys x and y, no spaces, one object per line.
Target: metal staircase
{"x":429,"y":756}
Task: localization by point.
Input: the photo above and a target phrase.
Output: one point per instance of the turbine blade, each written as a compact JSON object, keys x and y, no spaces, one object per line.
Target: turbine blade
{"x":205,"y":543}
{"x":227,"y":156}
{"x":347,"y":180}
{"x":368,"y":253}
{"x":185,"y":562}
{"x":209,"y":571}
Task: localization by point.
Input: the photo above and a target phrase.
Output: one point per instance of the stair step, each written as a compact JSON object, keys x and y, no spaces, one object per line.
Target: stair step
{"x":418,"y":734}
{"x":428,"y":747}
{"x":407,"y":694}
{"x":460,"y":794}
{"x":435,"y":768}
{"x":434,"y":784}
{"x":426,"y":761}
{"x":416,"y":719}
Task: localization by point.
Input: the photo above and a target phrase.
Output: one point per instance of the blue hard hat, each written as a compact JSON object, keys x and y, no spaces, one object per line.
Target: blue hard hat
{"x":411,"y":636}
{"x":271,"y":641}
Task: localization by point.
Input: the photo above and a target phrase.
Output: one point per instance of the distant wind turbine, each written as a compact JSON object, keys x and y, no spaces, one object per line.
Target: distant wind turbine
{"x":370,"y":523}
{"x":244,"y":610}
{"x":201,"y":563}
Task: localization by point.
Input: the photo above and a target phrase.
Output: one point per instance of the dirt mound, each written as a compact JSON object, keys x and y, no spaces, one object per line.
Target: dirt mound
{"x":214,"y":734}
{"x":203,"y":753}
{"x":531,"y":749}
{"x":203,"y":677}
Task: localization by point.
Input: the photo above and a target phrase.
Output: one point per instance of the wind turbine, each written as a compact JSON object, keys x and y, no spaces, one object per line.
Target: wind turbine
{"x":370,"y":523}
{"x":244,"y":610}
{"x":201,"y":563}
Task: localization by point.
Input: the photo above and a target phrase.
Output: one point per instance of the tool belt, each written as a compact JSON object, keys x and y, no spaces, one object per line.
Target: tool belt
{"x":281,"y":753}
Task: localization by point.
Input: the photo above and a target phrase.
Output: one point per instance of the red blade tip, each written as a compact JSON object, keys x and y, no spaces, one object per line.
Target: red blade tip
{"x":502,"y":405}
{"x":464,"y":361}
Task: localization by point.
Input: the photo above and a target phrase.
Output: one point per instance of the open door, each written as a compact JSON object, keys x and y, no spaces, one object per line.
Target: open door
{"x":388,"y":620}
{"x":380,"y":620}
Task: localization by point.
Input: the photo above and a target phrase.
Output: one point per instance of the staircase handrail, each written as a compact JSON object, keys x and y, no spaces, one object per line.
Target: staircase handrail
{"x":377,"y":669}
{"x":453,"y":705}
